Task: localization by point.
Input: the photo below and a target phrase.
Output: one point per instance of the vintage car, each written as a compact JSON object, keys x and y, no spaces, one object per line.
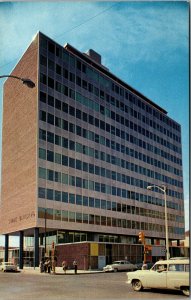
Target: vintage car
{"x":120,"y":265}
{"x":165,"y":274}
{"x":7,"y":266}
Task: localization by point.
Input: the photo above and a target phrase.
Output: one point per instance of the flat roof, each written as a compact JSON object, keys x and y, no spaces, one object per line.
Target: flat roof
{"x":104,"y":70}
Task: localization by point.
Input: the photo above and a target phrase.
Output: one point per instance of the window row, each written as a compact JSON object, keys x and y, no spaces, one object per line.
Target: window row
{"x":71,"y":127}
{"x":61,"y":88}
{"x":114,"y":160}
{"x":77,"y":199}
{"x":91,"y":185}
{"x":102,"y":124}
{"x":71,"y":216}
{"x":102,"y":81}
{"x":100,"y":171}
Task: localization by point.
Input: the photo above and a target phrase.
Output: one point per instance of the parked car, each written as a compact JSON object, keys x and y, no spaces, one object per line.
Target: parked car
{"x":165,"y":274}
{"x":120,"y":265}
{"x":7,"y":266}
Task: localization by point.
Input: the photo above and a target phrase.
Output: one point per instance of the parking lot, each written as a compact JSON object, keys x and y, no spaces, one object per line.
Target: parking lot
{"x":30,"y":285}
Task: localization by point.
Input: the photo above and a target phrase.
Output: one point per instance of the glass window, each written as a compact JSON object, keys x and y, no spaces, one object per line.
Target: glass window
{"x":50,"y":194}
{"x":57,"y":140}
{"x":64,"y":215}
{"x":42,"y":173}
{"x":42,"y":153}
{"x":65,"y":197}
{"x":57,"y":158}
{"x":42,"y":115}
{"x":78,"y":199}
{"x":42,"y":134}
{"x":57,"y":195}
{"x":50,"y":175}
{"x":50,"y":155}
{"x":72,"y":198}
{"x":97,"y":203}
{"x":71,"y":216}
{"x":41,"y":192}
{"x":49,"y":213}
{"x":85,"y":218}
{"x":85,"y":201}
{"x":91,"y":202}
{"x":78,"y":182}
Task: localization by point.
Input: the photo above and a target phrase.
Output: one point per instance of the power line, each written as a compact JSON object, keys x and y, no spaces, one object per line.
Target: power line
{"x":73,"y":28}
{"x":91,"y":18}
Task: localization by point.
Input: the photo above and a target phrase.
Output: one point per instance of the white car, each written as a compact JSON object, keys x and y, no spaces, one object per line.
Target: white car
{"x":120,"y":265}
{"x":165,"y":274}
{"x":7,"y":266}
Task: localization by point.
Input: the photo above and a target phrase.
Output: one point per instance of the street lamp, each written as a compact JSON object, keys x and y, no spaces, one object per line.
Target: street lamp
{"x":28,"y":82}
{"x":44,"y":232}
{"x":163,"y":189}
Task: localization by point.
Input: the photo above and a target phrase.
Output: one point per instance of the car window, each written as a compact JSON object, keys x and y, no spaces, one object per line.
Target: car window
{"x":187,"y":268}
{"x":178,"y":267}
{"x":160,"y":267}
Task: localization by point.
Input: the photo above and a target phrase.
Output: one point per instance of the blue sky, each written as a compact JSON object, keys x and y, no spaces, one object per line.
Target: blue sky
{"x":144,"y":43}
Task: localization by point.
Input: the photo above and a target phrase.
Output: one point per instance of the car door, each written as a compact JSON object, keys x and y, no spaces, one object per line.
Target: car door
{"x":157,"y":277}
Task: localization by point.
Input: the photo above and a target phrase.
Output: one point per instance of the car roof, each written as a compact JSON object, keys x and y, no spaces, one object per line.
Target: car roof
{"x":174,"y":261}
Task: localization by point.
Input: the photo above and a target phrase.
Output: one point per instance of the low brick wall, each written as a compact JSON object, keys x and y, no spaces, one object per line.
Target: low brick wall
{"x":70,"y":252}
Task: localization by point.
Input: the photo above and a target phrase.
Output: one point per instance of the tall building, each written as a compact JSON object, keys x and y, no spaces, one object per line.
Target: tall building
{"x":78,"y":153}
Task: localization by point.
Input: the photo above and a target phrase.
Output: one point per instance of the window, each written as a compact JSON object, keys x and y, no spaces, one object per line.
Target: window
{"x":42,"y":115}
{"x":41,"y":192}
{"x":42,"y":153}
{"x":50,"y":156}
{"x":58,"y":69}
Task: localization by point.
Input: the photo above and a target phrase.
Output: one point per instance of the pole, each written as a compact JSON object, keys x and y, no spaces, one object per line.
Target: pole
{"x":45,"y":232}
{"x":166,"y":224}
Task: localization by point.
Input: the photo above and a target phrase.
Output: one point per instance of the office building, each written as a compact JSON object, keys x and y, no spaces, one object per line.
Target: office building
{"x":78,"y":153}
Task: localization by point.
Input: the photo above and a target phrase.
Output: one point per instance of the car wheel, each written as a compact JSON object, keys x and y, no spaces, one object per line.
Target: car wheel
{"x":137,"y":285}
{"x":115,"y":270}
{"x":186,"y":291}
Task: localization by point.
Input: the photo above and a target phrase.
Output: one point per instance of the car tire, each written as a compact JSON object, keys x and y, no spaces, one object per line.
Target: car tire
{"x":115,"y":270}
{"x":186,"y":291}
{"x":137,"y":285}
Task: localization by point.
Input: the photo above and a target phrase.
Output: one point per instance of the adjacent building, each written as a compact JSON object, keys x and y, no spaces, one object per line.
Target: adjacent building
{"x":78,"y":152}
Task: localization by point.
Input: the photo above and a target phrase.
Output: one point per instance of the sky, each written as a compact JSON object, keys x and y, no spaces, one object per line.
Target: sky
{"x":146,"y":44}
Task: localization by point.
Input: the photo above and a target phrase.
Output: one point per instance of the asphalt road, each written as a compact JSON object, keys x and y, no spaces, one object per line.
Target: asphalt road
{"x":34,"y":286}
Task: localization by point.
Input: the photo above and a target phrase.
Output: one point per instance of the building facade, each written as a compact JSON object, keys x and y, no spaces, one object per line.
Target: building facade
{"x":79,"y":151}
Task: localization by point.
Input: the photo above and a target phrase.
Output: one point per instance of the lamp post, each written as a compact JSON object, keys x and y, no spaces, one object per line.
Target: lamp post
{"x":163,"y":188}
{"x":44,"y":232}
{"x":28,"y":82}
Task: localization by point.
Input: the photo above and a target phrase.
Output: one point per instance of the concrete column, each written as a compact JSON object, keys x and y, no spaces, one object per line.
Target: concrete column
{"x":21,"y":250}
{"x":36,"y":247}
{"x":6,"y":254}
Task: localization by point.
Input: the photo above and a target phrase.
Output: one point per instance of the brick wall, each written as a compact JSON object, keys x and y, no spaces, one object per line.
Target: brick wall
{"x":19,"y":146}
{"x":70,"y":252}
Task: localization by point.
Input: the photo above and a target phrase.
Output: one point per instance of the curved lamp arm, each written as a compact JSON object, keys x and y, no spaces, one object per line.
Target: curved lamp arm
{"x":28,"y":82}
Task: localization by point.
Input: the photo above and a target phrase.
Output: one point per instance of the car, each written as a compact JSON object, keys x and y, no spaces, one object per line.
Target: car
{"x":8,"y":266}
{"x":120,"y":265}
{"x":170,"y":274}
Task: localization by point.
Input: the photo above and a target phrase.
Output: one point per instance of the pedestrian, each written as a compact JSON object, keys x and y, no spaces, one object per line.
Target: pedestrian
{"x":64,"y":266}
{"x":46,"y":265}
{"x":75,"y":266}
{"x":41,"y":266}
{"x":49,"y":265}
{"x":144,"y":266}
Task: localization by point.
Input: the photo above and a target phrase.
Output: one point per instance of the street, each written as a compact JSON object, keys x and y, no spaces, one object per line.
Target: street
{"x":30,"y":286}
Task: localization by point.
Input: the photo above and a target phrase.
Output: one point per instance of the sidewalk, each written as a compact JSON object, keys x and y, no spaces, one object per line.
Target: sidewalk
{"x":59,"y":271}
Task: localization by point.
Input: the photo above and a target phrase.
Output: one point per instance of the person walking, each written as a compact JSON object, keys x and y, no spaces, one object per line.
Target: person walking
{"x":75,"y":266}
{"x":64,"y":266}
